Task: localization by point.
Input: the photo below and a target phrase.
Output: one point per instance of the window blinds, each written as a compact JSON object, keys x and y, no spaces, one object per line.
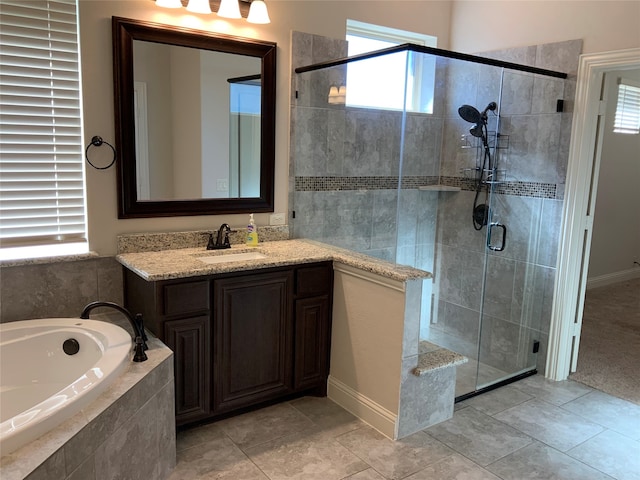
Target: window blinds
{"x":627,"y":119}
{"x":41,"y":152}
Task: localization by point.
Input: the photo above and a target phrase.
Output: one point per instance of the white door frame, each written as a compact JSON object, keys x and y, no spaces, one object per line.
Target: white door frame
{"x":577,"y":218}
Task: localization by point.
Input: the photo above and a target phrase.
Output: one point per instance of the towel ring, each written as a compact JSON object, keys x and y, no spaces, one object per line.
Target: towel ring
{"x":97,"y":142}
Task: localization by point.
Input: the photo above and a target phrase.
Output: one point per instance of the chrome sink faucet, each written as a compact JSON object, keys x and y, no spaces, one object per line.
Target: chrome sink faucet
{"x":222,"y":238}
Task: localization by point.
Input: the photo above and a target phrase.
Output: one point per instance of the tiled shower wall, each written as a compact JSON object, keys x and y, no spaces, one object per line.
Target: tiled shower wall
{"x":345,"y":171}
{"x":518,"y":282}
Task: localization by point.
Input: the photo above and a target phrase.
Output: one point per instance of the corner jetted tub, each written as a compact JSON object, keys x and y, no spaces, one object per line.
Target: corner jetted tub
{"x":52,"y":368}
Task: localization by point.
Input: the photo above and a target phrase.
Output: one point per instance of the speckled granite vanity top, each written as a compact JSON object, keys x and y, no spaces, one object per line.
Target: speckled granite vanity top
{"x":184,"y":262}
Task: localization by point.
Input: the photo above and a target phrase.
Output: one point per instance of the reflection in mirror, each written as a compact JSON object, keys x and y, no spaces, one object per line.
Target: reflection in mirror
{"x":194,"y":119}
{"x":172,"y":85}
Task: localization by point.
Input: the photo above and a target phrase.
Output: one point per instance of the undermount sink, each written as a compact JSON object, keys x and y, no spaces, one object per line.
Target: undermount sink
{"x":231,"y":257}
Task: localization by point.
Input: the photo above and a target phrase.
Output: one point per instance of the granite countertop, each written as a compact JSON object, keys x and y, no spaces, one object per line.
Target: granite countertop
{"x":182,"y":263}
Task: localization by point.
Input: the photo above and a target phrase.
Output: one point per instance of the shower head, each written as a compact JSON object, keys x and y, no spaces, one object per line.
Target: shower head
{"x":470,"y":114}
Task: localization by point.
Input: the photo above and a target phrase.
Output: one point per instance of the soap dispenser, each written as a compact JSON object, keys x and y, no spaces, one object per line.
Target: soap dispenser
{"x":252,"y":232}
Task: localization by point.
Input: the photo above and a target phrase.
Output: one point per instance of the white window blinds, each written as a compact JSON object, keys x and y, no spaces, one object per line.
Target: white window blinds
{"x":41,"y":152}
{"x":627,"y":119}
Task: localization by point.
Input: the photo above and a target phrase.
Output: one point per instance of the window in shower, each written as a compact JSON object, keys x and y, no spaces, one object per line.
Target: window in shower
{"x":380,"y":82}
{"x":627,"y":118}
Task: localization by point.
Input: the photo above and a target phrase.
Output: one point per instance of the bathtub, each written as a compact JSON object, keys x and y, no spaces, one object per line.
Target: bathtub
{"x":41,"y":386}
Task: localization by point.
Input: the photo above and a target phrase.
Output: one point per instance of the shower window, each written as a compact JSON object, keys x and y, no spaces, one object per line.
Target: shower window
{"x":380,"y":82}
{"x":627,"y":118}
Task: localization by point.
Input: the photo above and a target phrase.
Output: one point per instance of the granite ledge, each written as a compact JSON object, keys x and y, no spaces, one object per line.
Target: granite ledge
{"x":183,"y":263}
{"x":436,"y":360}
{"x":18,"y":262}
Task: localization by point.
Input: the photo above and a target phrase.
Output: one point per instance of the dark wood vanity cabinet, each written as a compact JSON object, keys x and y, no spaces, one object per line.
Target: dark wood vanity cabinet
{"x":240,"y":339}
{"x":252,"y":339}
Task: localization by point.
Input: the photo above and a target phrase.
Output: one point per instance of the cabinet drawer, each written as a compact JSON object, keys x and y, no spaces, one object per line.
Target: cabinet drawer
{"x":181,"y":298}
{"x":314,"y":280}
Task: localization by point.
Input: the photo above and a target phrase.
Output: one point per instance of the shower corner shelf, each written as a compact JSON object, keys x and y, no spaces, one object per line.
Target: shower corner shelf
{"x":439,"y":188}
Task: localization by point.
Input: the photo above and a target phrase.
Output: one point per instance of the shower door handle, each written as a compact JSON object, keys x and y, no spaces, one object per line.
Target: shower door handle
{"x":497,"y":248}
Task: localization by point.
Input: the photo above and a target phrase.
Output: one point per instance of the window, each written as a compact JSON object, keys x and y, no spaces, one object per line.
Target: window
{"x":627,"y":118}
{"x":380,"y":82}
{"x":42,"y":200}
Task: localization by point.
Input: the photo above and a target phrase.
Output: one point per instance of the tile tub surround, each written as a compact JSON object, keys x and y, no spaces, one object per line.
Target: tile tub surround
{"x":128,"y":432}
{"x":35,"y":289}
{"x":182,"y":263}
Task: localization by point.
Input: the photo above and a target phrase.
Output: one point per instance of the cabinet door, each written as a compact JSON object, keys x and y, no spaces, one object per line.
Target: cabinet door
{"x":190,"y":340}
{"x":252,"y":339}
{"x":312,"y":343}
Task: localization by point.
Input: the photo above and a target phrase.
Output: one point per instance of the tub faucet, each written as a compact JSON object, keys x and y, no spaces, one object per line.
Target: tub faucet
{"x":222,"y":239}
{"x":137,"y":324}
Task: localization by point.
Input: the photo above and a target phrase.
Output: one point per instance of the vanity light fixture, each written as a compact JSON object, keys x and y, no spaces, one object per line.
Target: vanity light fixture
{"x":229,"y":9}
{"x":169,"y":3}
{"x":257,"y":9}
{"x":199,"y":6}
{"x":258,"y":12}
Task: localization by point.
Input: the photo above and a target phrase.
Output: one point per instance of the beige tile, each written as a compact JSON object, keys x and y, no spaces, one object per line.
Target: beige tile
{"x":608,"y":411}
{"x":479,"y":437}
{"x":496,"y":400}
{"x":550,"y":391}
{"x":305,"y":456}
{"x":454,"y":467}
{"x":265,"y":425}
{"x":541,"y":462}
{"x":550,"y":424}
{"x":394,"y":459}
{"x":219,"y":459}
{"x":611,"y":453}
{"x":330,"y":417}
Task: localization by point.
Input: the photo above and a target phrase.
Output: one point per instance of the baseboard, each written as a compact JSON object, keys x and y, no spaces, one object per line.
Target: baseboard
{"x":611,"y":278}
{"x":363,"y":407}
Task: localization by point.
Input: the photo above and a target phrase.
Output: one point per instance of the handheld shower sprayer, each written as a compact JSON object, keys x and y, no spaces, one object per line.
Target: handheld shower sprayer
{"x":471,"y":114}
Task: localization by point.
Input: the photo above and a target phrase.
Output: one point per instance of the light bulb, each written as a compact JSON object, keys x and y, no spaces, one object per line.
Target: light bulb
{"x":333,"y":95}
{"x":199,"y":6}
{"x":258,"y":12}
{"x":169,"y":3}
{"x":229,"y":9}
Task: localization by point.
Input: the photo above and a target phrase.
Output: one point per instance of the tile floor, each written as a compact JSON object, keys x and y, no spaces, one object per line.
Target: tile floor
{"x":532,"y":429}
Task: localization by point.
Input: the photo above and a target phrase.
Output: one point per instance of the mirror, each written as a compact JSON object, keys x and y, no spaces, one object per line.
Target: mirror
{"x":195,"y":121}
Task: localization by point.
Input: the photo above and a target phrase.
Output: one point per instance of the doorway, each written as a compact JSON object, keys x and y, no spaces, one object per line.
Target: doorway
{"x":580,"y":194}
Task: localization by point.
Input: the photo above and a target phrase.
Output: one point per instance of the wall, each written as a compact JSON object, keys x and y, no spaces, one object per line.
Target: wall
{"x":328,"y":18}
{"x":604,"y":25}
{"x":615,"y":244}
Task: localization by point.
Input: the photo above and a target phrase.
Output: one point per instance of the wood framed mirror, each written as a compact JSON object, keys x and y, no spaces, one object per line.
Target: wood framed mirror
{"x":194,"y":121}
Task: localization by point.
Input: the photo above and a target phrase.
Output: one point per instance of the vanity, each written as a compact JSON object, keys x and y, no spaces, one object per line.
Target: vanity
{"x":253,"y":326}
{"x":240,"y":338}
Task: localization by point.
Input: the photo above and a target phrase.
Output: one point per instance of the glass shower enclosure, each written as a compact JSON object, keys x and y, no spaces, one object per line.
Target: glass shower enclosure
{"x":456,"y":173}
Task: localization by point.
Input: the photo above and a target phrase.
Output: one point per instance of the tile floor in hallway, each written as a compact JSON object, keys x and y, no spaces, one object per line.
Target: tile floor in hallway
{"x":532,"y":429}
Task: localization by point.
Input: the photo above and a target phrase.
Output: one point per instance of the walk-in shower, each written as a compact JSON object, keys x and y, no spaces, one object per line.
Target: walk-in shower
{"x":472,"y":138}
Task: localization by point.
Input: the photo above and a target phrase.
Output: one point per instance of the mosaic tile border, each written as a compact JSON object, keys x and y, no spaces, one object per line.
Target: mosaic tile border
{"x":328,"y":184}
